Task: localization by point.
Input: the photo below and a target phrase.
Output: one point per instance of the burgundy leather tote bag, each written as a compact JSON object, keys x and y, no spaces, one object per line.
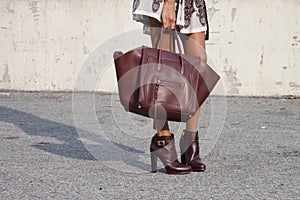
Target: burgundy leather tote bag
{"x":163,"y":85}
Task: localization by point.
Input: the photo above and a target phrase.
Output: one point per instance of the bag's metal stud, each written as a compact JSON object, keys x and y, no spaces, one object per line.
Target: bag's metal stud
{"x":139,"y":106}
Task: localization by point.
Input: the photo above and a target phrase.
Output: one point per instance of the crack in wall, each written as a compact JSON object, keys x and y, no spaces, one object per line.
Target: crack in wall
{"x":34,"y":8}
{"x":10,"y":7}
{"x":6,"y":77}
{"x":233,"y":82}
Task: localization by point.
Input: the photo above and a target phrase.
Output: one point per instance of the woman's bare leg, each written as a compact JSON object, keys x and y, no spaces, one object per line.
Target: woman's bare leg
{"x":195,"y":45}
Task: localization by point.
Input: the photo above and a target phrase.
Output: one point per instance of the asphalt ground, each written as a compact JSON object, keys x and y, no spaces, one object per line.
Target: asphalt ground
{"x":85,"y":146}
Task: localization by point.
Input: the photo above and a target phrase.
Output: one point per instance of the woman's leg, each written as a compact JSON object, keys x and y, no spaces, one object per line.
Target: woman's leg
{"x":189,"y":141}
{"x":155,"y":29}
{"x":163,"y":144}
{"x":195,"y":45}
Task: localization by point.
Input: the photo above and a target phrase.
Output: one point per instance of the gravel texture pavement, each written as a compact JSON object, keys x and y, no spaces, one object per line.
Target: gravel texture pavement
{"x":85,"y":146}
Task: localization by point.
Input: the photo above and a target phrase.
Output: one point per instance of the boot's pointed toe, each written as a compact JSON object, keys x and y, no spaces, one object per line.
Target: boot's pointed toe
{"x":197,"y":165}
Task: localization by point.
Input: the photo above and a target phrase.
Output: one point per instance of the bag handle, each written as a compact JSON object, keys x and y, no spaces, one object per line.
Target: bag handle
{"x":177,"y":38}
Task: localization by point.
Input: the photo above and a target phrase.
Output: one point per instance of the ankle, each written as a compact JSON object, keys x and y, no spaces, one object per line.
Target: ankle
{"x":190,"y":135}
{"x":190,"y":131}
{"x":164,"y":133}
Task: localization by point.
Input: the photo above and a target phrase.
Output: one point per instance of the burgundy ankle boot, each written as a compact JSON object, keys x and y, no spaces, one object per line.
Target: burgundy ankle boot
{"x":189,"y":147}
{"x":164,"y":148}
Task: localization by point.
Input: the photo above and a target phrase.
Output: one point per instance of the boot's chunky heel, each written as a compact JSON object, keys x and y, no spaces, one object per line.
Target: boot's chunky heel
{"x":189,"y":147}
{"x":153,"y":162}
{"x":164,"y":148}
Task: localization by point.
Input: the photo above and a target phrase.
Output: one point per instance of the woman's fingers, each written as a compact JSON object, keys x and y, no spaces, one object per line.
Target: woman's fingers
{"x":169,"y":24}
{"x":169,"y":15}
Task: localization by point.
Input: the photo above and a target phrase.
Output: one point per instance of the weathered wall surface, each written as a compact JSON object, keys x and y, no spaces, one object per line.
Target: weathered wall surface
{"x":65,"y":45}
{"x":256,"y":44}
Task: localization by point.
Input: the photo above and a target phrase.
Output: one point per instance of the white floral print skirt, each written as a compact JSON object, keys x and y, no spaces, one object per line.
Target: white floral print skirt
{"x":191,"y":14}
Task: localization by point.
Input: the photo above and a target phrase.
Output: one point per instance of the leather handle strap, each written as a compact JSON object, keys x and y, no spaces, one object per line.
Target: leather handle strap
{"x":179,"y":45}
{"x":177,"y":38}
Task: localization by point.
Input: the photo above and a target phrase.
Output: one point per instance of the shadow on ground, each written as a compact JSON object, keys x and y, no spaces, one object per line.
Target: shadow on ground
{"x":69,"y":144}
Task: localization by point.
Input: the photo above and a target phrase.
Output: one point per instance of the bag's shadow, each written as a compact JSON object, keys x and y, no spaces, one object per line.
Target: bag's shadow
{"x":69,"y":144}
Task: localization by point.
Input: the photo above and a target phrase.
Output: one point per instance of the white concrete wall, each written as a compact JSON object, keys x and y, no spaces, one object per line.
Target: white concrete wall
{"x":62,"y":45}
{"x":257,"y":45}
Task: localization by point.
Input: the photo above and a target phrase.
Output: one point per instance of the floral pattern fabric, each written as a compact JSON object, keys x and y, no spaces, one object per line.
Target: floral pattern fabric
{"x":191,"y":14}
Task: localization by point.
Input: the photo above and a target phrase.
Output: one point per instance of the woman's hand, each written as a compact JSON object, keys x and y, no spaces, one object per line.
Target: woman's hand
{"x":168,"y":14}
